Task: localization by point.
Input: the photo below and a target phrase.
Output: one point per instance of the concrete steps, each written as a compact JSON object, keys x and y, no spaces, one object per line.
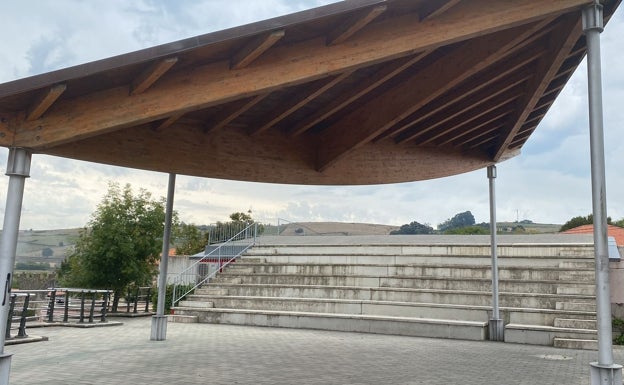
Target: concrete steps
{"x":418,"y":327}
{"x":546,"y":292}
{"x":575,"y":343}
{"x":185,"y":319}
{"x":415,"y":282}
{"x":548,"y":335}
{"x":460,"y":297}
{"x":435,"y":270}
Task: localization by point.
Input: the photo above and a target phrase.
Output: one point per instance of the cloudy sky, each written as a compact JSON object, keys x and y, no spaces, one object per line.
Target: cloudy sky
{"x":548,"y":183}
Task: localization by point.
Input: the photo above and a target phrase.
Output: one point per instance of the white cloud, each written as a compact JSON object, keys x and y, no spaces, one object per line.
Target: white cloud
{"x":548,"y":183}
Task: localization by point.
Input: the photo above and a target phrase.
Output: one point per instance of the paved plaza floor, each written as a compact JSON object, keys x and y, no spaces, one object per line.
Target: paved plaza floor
{"x":224,"y":354}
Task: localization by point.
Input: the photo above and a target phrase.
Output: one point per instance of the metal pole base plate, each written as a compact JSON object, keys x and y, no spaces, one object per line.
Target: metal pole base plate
{"x":605,"y":374}
{"x":159,"y":328}
{"x":5,"y":367}
{"x":496,"y":330}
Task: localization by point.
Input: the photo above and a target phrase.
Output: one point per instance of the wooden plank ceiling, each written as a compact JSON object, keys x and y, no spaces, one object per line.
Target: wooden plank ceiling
{"x":357,"y":92}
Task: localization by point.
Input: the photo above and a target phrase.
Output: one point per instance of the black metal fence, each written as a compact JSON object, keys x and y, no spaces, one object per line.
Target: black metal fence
{"x":18,"y":314}
{"x":77,"y":305}
{"x":139,"y":299}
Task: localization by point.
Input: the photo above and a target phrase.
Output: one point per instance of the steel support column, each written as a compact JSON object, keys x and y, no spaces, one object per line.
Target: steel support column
{"x":604,"y":371}
{"x":159,"y":321}
{"x":497,"y":328}
{"x":18,"y":169}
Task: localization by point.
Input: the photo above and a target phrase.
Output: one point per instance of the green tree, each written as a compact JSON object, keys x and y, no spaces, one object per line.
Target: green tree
{"x":120,"y":245}
{"x":459,"y":220}
{"x":223,"y":231}
{"x":413,"y":228}
{"x":468,"y":230}
{"x":189,"y":239}
{"x":241,"y":217}
{"x":580,"y":221}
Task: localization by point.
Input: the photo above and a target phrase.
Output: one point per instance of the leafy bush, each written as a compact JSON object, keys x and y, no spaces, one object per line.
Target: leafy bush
{"x":413,"y":228}
{"x":469,"y":230}
{"x":168,"y":296}
{"x":459,"y":220}
{"x":580,"y":221}
{"x":618,"y":327}
{"x":32,"y":266}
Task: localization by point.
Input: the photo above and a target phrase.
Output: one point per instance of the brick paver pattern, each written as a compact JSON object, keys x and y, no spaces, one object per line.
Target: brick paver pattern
{"x":224,"y":354}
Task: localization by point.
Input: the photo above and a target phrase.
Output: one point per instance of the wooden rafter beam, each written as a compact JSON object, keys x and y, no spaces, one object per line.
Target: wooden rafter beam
{"x":365,"y":123}
{"x":464,"y":122}
{"x":168,"y":122}
{"x":229,"y":115}
{"x":459,"y":109}
{"x":362,"y":89}
{"x":281,"y":115}
{"x":215,"y":83}
{"x":465,"y":91}
{"x":551,"y":64}
{"x":513,"y":63}
{"x":491,"y":121}
{"x":486,"y":139}
{"x":148,"y":77}
{"x":348,"y":29}
{"x":441,"y":7}
{"x":45,"y":101}
{"x":255,"y":48}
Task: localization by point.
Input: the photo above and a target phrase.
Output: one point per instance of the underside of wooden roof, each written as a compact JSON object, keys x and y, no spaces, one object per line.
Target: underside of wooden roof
{"x":357,"y":92}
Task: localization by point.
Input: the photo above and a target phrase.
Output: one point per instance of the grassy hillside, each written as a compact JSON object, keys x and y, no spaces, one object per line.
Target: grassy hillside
{"x":532,"y":228}
{"x":31,"y":244}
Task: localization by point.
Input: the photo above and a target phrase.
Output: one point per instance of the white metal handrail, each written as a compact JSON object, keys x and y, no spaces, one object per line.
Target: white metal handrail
{"x":221,"y":255}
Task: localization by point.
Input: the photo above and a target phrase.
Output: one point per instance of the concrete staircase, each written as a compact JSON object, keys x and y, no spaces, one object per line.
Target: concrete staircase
{"x":444,"y":291}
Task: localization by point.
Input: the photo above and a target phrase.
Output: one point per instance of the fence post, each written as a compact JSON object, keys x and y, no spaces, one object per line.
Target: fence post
{"x":10,"y":316}
{"x":92,"y":306}
{"x":148,"y":298}
{"x":22,"y":327}
{"x":136,"y":299}
{"x":104,"y":306}
{"x":66,"y":307}
{"x":82,"y":301}
{"x":127,"y":301}
{"x":51,"y":305}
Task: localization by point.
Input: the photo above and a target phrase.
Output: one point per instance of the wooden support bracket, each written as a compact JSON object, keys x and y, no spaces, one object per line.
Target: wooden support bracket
{"x":151,"y":75}
{"x":45,"y":101}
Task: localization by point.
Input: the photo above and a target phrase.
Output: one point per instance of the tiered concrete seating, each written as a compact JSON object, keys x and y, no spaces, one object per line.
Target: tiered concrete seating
{"x":546,"y":290}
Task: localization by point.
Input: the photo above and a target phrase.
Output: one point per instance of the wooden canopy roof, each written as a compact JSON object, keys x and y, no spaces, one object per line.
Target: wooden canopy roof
{"x":357,"y":92}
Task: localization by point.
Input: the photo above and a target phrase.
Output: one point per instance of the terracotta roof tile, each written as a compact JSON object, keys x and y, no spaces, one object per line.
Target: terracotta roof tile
{"x":613,"y":231}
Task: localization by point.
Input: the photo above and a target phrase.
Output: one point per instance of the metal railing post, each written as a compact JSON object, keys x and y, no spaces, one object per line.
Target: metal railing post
{"x":92,"y":310}
{"x":51,"y":305}
{"x":148,"y":299}
{"x":136,"y":300}
{"x":104,"y":306}
{"x":66,"y":307}
{"x":82,"y":305}
{"x":10,"y":316}
{"x":22,"y":327}
{"x":128,"y":301}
